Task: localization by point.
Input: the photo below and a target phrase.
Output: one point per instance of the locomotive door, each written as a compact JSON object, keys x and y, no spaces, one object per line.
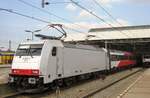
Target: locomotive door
{"x":59,"y":62}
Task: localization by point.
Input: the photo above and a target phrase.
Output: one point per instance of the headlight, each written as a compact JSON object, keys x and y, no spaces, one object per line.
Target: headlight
{"x":32,"y":80}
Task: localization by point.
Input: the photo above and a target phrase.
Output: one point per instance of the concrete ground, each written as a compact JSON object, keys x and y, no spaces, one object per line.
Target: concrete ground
{"x":4,"y":71}
{"x":5,"y":65}
{"x":116,"y":89}
{"x":140,"y":88}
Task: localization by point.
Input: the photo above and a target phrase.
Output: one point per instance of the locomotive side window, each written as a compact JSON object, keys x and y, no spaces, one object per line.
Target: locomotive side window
{"x":54,"y":51}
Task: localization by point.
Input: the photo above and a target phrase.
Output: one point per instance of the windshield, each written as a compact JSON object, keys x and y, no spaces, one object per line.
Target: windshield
{"x":29,"y":50}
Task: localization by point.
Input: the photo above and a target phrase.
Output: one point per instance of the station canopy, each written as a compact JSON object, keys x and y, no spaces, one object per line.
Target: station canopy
{"x":125,"y":33}
{"x":128,"y":38}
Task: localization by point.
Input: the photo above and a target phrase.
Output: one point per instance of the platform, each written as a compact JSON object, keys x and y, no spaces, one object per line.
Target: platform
{"x":139,"y":88}
{"x":5,"y":66}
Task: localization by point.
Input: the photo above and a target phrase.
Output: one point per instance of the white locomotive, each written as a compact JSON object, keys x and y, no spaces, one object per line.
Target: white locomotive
{"x":43,"y":62}
{"x":36,"y":64}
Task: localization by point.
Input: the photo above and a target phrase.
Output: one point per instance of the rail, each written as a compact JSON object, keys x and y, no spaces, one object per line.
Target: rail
{"x":63,"y":91}
{"x":88,"y":95}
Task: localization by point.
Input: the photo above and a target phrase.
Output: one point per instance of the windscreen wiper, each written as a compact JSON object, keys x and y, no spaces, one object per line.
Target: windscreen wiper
{"x":30,"y":52}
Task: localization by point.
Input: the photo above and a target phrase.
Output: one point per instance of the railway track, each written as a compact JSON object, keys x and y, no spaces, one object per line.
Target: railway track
{"x":12,"y":95}
{"x":88,"y":95}
{"x":73,"y":95}
{"x":5,"y":91}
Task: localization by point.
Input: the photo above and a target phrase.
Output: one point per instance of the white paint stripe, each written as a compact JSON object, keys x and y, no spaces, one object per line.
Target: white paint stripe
{"x":126,"y":90}
{"x":115,"y":63}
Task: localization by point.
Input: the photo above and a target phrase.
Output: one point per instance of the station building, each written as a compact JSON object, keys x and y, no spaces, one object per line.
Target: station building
{"x":127,"y":38}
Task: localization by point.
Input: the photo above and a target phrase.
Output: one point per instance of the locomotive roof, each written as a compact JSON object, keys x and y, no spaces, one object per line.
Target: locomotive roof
{"x":33,"y":42}
{"x":80,"y":46}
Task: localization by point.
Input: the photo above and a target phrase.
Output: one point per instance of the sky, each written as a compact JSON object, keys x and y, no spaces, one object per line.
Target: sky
{"x":77,"y":20}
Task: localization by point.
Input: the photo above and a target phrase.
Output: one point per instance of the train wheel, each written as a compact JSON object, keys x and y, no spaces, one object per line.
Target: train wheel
{"x":103,"y":77}
{"x":96,"y":75}
{"x":56,"y":84}
{"x":53,"y":86}
{"x":60,"y":82}
{"x":68,"y":81}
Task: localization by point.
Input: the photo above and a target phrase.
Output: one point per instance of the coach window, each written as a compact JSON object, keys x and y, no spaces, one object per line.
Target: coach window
{"x":113,"y":57}
{"x":54,"y":51}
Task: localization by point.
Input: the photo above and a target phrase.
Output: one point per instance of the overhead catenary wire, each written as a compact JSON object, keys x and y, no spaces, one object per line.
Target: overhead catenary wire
{"x":90,"y":12}
{"x":31,"y":5}
{"x":45,"y":11}
{"x":59,"y":2}
{"x":101,"y":19}
{"x":108,"y":13}
{"x":35,"y":18}
{"x":73,"y":30}
{"x":112,"y":17}
{"x":27,"y":16}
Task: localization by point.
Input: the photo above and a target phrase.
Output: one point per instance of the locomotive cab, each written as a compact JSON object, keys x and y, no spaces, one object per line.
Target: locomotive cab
{"x":33,"y":64}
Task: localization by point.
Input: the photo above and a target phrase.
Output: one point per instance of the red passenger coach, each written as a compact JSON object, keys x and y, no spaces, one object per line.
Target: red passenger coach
{"x":122,"y":59}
